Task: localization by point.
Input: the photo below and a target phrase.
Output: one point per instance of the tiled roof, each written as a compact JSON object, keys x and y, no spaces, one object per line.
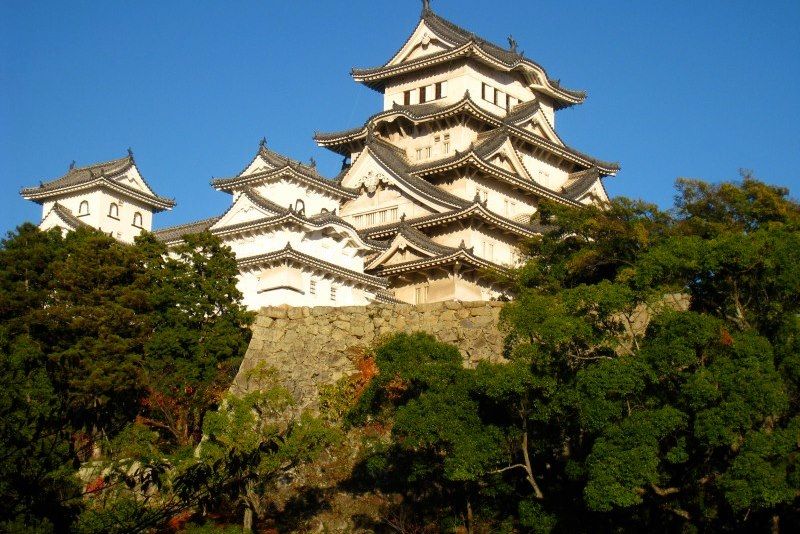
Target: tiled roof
{"x":519,"y":113}
{"x":304,"y":173}
{"x":477,"y":209}
{"x":66,"y":215}
{"x":414,"y":112}
{"x":461,"y":39}
{"x":291,"y":254}
{"x":461,"y":255}
{"x":175,"y":233}
{"x":96,"y":173}
{"x":579,"y":182}
{"x":282,"y":215}
{"x":395,"y":160}
{"x":418,"y":239}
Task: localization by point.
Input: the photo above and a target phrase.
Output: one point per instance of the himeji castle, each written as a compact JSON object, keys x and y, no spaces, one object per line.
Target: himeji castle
{"x":436,"y":193}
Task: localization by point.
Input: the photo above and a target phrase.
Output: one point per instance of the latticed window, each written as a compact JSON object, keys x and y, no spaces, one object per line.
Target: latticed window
{"x":312,"y":287}
{"x":333,"y":292}
{"x":421,"y":295}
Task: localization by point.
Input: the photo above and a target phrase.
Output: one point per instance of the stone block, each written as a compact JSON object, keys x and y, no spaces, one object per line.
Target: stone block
{"x":274,"y":313}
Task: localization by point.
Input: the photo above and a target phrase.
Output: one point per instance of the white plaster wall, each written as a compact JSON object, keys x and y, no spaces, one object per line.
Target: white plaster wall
{"x":253,"y":283}
{"x":383,"y":198}
{"x":100,"y":201}
{"x":543,"y":172}
{"x":285,"y":193}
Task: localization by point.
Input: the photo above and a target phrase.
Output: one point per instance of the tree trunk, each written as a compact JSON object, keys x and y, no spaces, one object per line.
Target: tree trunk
{"x":469,"y":517}
{"x":247,"y":523}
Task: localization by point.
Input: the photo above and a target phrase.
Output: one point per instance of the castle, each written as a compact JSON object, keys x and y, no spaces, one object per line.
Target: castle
{"x":436,"y":192}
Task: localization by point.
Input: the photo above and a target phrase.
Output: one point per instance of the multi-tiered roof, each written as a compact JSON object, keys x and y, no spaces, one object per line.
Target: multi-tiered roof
{"x":501,"y":155}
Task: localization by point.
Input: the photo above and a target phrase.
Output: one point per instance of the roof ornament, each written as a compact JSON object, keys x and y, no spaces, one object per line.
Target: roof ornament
{"x":462,"y":245}
{"x":72,"y":165}
{"x":41,"y":184}
{"x":512,"y":43}
{"x":403,"y":217}
{"x":426,"y":5}
{"x":345,"y":164}
{"x":477,"y":199}
{"x":262,"y":143}
{"x":130,"y":152}
{"x":312,"y":163}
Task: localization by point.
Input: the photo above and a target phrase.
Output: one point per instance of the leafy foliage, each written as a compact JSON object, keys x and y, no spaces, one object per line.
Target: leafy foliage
{"x":623,"y":404}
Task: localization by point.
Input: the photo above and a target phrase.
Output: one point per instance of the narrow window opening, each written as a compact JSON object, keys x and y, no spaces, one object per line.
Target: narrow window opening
{"x":333,"y":292}
{"x":438,"y":90}
{"x":312,"y":287}
{"x":137,"y":219}
{"x":113,"y":211}
{"x":84,"y":208}
{"x":407,"y":98}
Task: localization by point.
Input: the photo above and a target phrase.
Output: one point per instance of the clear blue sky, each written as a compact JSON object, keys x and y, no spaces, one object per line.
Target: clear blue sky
{"x":676,"y":88}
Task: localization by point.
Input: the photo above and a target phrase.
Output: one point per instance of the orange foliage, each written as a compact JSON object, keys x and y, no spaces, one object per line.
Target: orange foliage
{"x":178,"y":522}
{"x":725,"y":338}
{"x":98,"y":484}
{"x":396,"y":388}
{"x":367,"y":370}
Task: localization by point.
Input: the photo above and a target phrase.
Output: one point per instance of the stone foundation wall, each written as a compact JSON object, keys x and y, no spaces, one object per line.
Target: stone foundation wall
{"x":310,"y":347}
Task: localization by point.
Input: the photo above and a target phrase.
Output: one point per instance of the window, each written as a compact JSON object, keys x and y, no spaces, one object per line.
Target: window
{"x":419,"y":153}
{"x":407,"y":98}
{"x":446,"y":147}
{"x":438,"y":90}
{"x":422,"y":95}
{"x":312,"y":287}
{"x":437,"y":139}
{"x":508,"y":102}
{"x":137,"y":219}
{"x":427,"y":151}
{"x":84,"y":208}
{"x":421,"y":295}
{"x":333,"y":292}
{"x":113,"y":211}
{"x":488,"y":250}
{"x":506,"y":206}
{"x":483,"y":194}
{"x":484,"y":92}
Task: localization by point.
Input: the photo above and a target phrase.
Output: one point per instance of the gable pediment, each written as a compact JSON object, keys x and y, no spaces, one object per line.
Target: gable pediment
{"x":369,"y":175}
{"x":259,"y":164}
{"x":506,"y":158}
{"x":243,"y":210}
{"x":539,"y":126}
{"x":401,"y":250}
{"x":133,"y":179}
{"x":423,"y":42}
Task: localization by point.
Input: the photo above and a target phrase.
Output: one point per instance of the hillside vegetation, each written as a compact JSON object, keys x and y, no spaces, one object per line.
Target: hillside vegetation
{"x":116,"y":359}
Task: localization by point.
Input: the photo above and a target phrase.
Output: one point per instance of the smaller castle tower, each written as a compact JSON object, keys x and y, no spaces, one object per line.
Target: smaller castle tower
{"x":111,"y":196}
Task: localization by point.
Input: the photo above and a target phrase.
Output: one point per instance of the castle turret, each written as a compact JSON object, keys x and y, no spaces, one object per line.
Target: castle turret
{"x":111,"y":196}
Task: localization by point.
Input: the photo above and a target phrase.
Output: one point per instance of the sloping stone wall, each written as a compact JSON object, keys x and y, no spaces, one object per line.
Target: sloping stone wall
{"x":310,"y":347}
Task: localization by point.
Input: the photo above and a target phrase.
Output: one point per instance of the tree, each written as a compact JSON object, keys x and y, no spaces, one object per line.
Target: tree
{"x":93,"y":334}
{"x":200,"y":332}
{"x":70,"y":341}
{"x":651,"y":377}
{"x":662,"y":423}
